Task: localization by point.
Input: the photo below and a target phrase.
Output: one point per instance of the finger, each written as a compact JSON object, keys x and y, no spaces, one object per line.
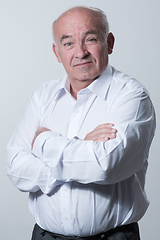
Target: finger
{"x":113,"y":131}
{"x":113,"y":135}
{"x":109,"y":125}
{"x":101,"y":139}
{"x":42,"y":129}
{"x":106,"y":131}
{"x":104,"y":136}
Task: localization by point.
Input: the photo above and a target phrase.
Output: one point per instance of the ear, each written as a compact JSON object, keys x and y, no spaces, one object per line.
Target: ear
{"x":110,"y":41}
{"x":55,"y":50}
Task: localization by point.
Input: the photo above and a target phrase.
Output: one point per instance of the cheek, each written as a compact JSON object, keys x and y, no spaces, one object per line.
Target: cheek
{"x":66,"y":58}
{"x":97,"y":53}
{"x":63,"y":58}
{"x":101,"y":58}
{"x":67,"y":63}
{"x":103,"y":55}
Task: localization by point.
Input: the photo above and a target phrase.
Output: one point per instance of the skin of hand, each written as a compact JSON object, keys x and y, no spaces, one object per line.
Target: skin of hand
{"x":102,"y":133}
{"x":39,"y":131}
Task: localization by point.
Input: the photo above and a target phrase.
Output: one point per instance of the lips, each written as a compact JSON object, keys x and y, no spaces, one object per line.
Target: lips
{"x":82,"y":64}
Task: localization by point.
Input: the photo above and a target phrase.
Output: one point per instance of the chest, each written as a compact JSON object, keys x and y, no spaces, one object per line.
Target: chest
{"x":71,"y":117}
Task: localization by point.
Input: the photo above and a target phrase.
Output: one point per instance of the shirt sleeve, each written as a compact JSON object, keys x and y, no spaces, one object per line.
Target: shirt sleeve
{"x":105,"y":163}
{"x":27,"y":171}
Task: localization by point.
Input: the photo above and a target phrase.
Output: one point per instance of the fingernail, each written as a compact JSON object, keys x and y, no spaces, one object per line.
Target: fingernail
{"x":112,"y":134}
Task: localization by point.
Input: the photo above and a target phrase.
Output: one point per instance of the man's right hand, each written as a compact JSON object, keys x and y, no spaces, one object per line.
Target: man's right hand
{"x":102,"y":133}
{"x":40,"y":130}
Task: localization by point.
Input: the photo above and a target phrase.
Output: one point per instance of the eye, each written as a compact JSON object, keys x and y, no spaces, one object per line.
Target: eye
{"x":68,"y":45}
{"x":92,"y":40}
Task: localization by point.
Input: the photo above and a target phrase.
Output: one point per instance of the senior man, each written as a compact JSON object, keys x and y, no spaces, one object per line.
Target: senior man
{"x":82,"y":145}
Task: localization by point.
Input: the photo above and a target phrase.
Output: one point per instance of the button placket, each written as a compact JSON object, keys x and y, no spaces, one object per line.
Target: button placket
{"x":65,"y":208}
{"x":75,"y":119}
{"x":73,"y":129}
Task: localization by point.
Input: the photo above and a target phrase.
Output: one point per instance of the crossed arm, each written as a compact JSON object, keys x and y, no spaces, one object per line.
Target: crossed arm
{"x":55,"y":158}
{"x":101,"y":133}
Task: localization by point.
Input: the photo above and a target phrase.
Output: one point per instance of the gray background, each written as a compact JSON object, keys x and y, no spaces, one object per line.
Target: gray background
{"x":26,"y":60}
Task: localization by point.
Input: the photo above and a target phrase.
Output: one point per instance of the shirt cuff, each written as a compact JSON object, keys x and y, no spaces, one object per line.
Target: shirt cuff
{"x":40,"y":141}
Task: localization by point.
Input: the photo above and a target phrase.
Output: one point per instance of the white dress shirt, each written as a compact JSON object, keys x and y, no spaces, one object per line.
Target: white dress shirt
{"x":82,"y":187}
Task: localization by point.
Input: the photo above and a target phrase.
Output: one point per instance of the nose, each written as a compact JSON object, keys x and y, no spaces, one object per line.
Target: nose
{"x":81,"y":51}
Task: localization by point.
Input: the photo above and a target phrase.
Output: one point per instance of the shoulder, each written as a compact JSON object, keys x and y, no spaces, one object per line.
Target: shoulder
{"x":124,"y":81}
{"x":47,"y":91}
{"x":49,"y":88}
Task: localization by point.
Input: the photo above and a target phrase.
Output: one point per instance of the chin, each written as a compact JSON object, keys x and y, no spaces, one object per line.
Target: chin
{"x":87,"y":76}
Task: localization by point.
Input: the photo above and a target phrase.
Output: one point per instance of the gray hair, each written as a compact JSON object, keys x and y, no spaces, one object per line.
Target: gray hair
{"x":103,"y":22}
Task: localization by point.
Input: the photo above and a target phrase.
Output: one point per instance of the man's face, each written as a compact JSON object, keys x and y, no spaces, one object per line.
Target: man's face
{"x":81,"y":46}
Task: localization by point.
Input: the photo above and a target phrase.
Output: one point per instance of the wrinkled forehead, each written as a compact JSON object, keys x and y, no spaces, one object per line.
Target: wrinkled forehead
{"x":76,"y":21}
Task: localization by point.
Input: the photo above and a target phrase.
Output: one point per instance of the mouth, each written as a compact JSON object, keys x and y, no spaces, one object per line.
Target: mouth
{"x":83,"y":64}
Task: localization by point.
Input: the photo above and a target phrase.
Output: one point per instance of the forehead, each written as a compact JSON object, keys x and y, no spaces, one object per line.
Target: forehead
{"x":76,"y":23}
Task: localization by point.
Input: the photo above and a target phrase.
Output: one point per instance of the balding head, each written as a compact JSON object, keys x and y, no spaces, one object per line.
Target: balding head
{"x":96,"y":15}
{"x":82,"y":44}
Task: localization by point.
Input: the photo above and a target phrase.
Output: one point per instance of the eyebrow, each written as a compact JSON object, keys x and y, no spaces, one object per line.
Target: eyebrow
{"x":65,"y":36}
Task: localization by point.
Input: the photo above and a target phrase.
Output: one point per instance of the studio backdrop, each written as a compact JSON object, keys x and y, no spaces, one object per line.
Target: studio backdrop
{"x":27,"y":60}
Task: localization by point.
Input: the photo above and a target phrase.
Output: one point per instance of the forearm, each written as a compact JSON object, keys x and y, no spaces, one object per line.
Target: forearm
{"x":29,"y":174}
{"x":25,"y":170}
{"x":60,"y":159}
{"x":88,"y":161}
{"x":107,"y":162}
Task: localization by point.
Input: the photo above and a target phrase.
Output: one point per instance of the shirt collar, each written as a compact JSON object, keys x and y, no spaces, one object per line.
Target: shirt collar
{"x":104,"y":80}
{"x":63,"y":84}
{"x":95,"y":87}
